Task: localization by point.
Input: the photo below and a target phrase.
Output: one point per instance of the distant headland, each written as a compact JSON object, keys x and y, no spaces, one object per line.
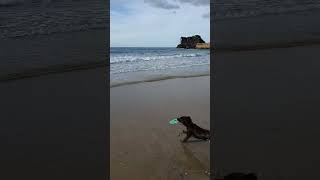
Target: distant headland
{"x":193,"y":42}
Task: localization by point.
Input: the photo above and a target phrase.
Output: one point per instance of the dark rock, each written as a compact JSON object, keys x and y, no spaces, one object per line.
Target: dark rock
{"x":190,"y":42}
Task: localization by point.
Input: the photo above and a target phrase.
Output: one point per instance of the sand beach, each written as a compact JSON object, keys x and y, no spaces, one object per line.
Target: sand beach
{"x":142,"y":143}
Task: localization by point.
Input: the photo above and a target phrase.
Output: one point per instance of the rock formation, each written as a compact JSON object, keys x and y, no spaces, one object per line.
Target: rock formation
{"x":190,"y":42}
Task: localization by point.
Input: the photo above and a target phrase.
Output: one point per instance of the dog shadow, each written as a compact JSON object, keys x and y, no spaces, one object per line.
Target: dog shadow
{"x":193,"y":165}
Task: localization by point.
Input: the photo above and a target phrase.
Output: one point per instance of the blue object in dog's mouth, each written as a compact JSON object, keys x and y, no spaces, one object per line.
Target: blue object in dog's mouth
{"x":173,"y":121}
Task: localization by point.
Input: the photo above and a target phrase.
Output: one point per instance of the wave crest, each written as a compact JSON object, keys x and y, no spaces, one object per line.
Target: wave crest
{"x":126,"y":59}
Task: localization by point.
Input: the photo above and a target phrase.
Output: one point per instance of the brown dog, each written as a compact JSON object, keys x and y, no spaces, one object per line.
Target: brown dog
{"x":193,"y":129}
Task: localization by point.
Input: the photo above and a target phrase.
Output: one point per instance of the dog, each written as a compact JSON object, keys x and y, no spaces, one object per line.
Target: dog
{"x":193,"y":130}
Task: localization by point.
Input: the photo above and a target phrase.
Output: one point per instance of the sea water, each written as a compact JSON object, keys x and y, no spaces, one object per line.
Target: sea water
{"x":139,"y":64}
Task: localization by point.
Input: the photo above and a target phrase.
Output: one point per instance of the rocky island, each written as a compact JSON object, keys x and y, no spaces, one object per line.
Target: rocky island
{"x":193,"y":42}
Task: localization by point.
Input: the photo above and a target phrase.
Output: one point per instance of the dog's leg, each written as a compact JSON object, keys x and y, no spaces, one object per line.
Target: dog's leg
{"x":189,"y":134}
{"x":185,"y":132}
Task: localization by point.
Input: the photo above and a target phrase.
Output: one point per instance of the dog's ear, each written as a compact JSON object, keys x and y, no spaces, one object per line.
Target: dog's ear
{"x":183,"y":117}
{"x":188,"y":120}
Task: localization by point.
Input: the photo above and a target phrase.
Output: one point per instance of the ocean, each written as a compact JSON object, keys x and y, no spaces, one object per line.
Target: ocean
{"x":41,"y":36}
{"x":25,"y":18}
{"x":265,"y":23}
{"x":130,"y":65}
{"x":230,"y":9}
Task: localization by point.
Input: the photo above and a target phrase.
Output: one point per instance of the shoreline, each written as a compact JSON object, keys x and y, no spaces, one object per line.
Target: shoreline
{"x":58,"y":52}
{"x":56,"y":69}
{"x":157,"y":80}
{"x":301,"y":28}
{"x":306,"y":43}
{"x":37,"y":72}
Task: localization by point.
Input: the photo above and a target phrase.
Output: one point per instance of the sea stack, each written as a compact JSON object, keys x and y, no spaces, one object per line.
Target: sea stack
{"x":193,"y":42}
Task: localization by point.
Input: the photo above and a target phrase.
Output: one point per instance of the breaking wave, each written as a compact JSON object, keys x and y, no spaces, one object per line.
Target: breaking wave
{"x":130,"y":58}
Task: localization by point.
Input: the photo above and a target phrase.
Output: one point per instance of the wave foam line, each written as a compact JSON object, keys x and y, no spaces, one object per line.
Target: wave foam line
{"x":157,"y":79}
{"x":51,"y":70}
{"x":268,"y":46}
{"x":126,"y":59}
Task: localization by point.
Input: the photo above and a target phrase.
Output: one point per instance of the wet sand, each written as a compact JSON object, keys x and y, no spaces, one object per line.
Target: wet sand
{"x":54,"y":126}
{"x":142,"y":143}
{"x":266,"y":112}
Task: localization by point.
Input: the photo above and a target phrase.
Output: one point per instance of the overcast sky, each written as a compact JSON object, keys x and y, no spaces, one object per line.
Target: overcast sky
{"x":157,"y":23}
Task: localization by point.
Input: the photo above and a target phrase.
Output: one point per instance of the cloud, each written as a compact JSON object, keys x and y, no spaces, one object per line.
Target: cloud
{"x":163,"y":4}
{"x":206,"y":15}
{"x":145,"y":26}
{"x":175,"y":4}
{"x":196,"y":2}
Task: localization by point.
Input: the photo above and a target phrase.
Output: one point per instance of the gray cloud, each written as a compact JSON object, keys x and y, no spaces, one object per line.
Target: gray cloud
{"x":207,"y":15}
{"x":196,"y":2}
{"x":163,"y":4}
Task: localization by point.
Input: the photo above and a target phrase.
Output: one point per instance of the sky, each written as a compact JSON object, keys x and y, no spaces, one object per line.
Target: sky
{"x":157,"y":23}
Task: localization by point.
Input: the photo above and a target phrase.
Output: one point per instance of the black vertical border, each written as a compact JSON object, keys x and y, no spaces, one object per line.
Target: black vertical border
{"x":31,"y":148}
{"x":212,"y":87}
{"x":108,"y":89}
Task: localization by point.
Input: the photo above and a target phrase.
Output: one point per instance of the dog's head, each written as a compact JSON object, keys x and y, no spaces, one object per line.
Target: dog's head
{"x":185,"y":120}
